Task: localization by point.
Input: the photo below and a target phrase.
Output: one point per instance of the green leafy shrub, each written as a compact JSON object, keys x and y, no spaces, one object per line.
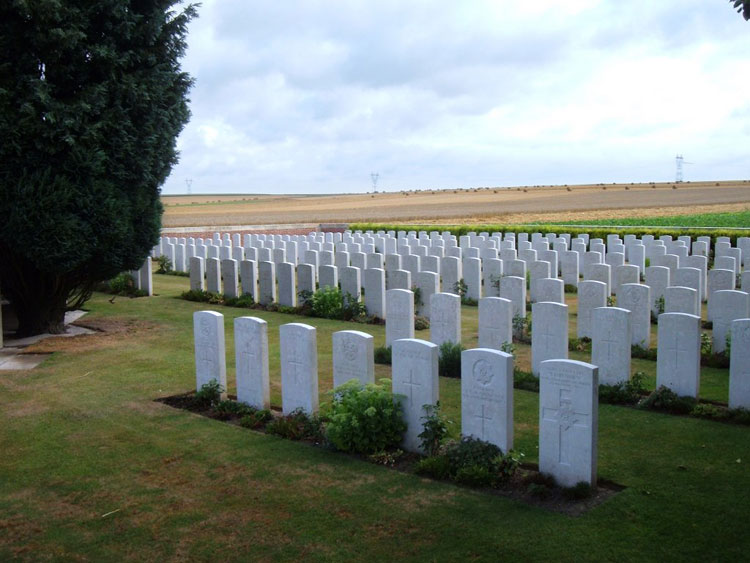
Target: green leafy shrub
{"x":365,"y":419}
{"x":460,"y":288}
{"x":297,"y":425}
{"x":421,"y":323}
{"x":643,"y":353}
{"x":579,"y":344}
{"x":201,"y":296}
{"x":227,"y":409}
{"x":472,"y":462}
{"x":570,"y":288}
{"x":664,"y":399}
{"x":243,"y":301}
{"x":449,"y":361}
{"x":417,"y":291}
{"x":508,"y":348}
{"x":525,"y":380}
{"x":624,"y":393}
{"x":434,"y":429}
{"x":386,"y":457}
{"x":256,"y":419}
{"x":208,"y":395}
{"x":382,"y":355}
{"x":707,"y":410}
{"x":327,"y":303}
{"x":580,"y":491}
{"x":165,"y":265}
{"x":122,"y":283}
{"x":522,"y":328}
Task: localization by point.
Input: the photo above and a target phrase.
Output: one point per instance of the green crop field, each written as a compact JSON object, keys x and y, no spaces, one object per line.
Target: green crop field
{"x":740,"y":219}
{"x":94,"y":469}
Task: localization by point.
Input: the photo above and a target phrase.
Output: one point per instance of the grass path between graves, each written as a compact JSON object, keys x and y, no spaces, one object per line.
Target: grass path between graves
{"x":94,"y":469}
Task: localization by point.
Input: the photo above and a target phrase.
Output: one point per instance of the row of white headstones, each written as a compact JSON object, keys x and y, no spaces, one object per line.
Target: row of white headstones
{"x":568,"y":398}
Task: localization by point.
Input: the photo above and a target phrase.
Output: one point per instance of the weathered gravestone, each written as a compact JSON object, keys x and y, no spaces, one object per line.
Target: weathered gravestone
{"x":374,"y":284}
{"x":213,"y":275}
{"x":428,"y":284}
{"x":739,"y":365}
{"x":591,"y":295}
{"x":513,"y":289}
{"x":657,"y":278}
{"x":210,"y":360}
{"x":495,"y":322}
{"x":415,"y":378}
{"x":249,"y":278}
{"x":610,"y":344}
{"x":399,"y":322}
{"x":549,"y":334}
{"x":445,"y":318}
{"x":726,"y":306}
{"x":398,"y":279}
{"x":492,"y":273}
{"x":568,"y":421}
{"x":351,"y":282}
{"x":266,"y":282}
{"x":299,"y":368}
{"x":451,"y":272}
{"x":251,"y":360}
{"x":636,"y":298}
{"x":548,"y":289}
{"x":472,"y":270}
{"x":353,"y":357}
{"x":487,"y":396}
{"x":230,"y":275}
{"x":197,"y":274}
{"x":679,"y":353}
{"x":306,"y":278}
{"x":681,"y":300}
{"x":328,"y":276}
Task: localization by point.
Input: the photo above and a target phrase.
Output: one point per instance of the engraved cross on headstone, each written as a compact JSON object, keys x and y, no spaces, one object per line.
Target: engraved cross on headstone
{"x":673,"y":347}
{"x":609,"y":341}
{"x":483,"y":417}
{"x":295,"y":365}
{"x":566,"y":418}
{"x":411,"y":384}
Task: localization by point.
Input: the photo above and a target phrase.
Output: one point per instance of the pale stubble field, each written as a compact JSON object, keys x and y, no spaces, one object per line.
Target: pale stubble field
{"x":480,"y":205}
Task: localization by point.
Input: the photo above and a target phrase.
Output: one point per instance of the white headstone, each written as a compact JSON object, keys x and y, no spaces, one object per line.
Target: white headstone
{"x":610,"y":344}
{"x":213,"y":275}
{"x":210,"y":360}
{"x":739,"y":365}
{"x":249,"y":278}
{"x":513,"y":289}
{"x":351,"y":282}
{"x":636,"y":298}
{"x":415,"y":378}
{"x":328,"y":276}
{"x":445,"y":318}
{"x":399,"y":315}
{"x":549,"y":334}
{"x":197,"y":274}
{"x":353,"y":357}
{"x":568,"y":421}
{"x":591,"y":295}
{"x":299,"y":368}
{"x":726,"y":306}
{"x":487,"y":396}
{"x":495,"y":322}
{"x":679,"y":299}
{"x":428,"y":284}
{"x":267,"y":282}
{"x":229,"y":273}
{"x":548,"y":289}
{"x":679,"y":353}
{"x":251,"y":361}
{"x":374,"y":284}
{"x":472,"y":270}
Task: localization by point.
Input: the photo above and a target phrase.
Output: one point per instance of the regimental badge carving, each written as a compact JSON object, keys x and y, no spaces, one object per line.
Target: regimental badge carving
{"x":482,"y":372}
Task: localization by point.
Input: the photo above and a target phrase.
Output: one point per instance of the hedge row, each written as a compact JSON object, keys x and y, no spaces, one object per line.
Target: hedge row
{"x":593,"y":232}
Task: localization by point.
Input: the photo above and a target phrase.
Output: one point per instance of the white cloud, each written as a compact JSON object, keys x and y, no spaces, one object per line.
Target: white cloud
{"x":313,"y":96}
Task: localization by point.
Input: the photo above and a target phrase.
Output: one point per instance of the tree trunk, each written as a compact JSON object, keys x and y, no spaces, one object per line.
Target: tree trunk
{"x":38,"y":298}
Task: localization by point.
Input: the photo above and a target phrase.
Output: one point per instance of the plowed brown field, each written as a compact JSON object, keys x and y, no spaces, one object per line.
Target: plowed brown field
{"x":499,"y":205}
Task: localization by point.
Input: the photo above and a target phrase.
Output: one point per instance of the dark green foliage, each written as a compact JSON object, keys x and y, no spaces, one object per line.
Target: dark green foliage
{"x":742,"y":7}
{"x":472,"y":462}
{"x":365,"y":419}
{"x":231,"y":409}
{"x":436,"y":467}
{"x":525,"y":380}
{"x":417,"y":291}
{"x":208,"y":396}
{"x":522,"y":328}
{"x":579,"y":491}
{"x":627,"y":393}
{"x":243,"y":301}
{"x":201,"y":296}
{"x":122,"y":284}
{"x":579,"y":344}
{"x":449,"y":362}
{"x":460,"y":288}
{"x":165,"y":265}
{"x":570,"y":288}
{"x":256,"y":418}
{"x":421,"y":323}
{"x":434,"y":429}
{"x":331,"y":303}
{"x":382,"y":355}
{"x":387,"y":458}
{"x":663,"y":399}
{"x":297,"y":425}
{"x":643,"y":353}
{"x":92,"y":99}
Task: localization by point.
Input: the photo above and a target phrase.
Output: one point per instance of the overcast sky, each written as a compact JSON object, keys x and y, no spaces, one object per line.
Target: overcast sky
{"x":312,"y":96}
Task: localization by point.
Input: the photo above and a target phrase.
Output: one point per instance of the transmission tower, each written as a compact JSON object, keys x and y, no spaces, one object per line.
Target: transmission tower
{"x":374,"y":176}
{"x":189,"y":184}
{"x":679,"y":161}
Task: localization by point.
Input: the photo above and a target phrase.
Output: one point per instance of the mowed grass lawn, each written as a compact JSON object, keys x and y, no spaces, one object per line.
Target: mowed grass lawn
{"x":93,"y":469}
{"x":737,"y":219}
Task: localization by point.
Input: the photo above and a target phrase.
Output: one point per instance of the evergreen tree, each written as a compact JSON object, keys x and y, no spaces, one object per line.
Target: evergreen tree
{"x":92,"y":99}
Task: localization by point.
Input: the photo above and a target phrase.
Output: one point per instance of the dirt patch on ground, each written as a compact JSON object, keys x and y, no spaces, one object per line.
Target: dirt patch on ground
{"x":110,"y":331}
{"x":475,"y":205}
